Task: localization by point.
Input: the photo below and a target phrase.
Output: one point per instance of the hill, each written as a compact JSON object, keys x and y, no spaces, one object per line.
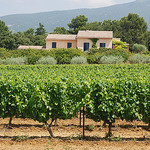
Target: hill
{"x":22,"y":22}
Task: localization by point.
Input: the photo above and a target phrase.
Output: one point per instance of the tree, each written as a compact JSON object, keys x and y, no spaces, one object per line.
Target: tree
{"x":40,"y":35}
{"x":116,"y":28}
{"x":29,"y":32}
{"x":30,"y":35}
{"x":60,"y":30}
{"x":78,"y":23}
{"x":6,"y":38}
{"x":28,"y":38}
{"x":146,"y":39}
{"x":21,"y":39}
{"x":40,"y":40}
{"x":94,"y":26}
{"x":41,"y":30}
{"x":132,"y":28}
{"x":107,"y":25}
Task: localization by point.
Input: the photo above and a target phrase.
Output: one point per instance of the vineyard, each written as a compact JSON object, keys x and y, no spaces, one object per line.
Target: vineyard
{"x":105,"y":92}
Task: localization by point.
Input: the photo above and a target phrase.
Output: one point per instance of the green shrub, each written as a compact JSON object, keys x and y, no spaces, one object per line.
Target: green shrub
{"x":4,"y":53}
{"x":111,"y":59}
{"x":15,"y":61}
{"x":94,"y":54}
{"x":139,"y":59}
{"x":92,"y":59}
{"x":93,"y":51}
{"x":47,"y":60}
{"x":119,"y":44}
{"x":139,"y":48}
{"x":28,"y":52}
{"x":33,"y":59}
{"x":64,"y":55}
{"x":79,"y":60}
{"x":147,"y":60}
{"x":118,"y":52}
{"x":146,"y":53}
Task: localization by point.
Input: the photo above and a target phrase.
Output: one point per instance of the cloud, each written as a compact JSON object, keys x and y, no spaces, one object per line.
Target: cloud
{"x":95,"y":3}
{"x":98,"y":3}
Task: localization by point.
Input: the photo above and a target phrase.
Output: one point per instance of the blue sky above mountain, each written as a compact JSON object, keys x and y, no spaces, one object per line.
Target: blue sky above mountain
{"x":8,"y":7}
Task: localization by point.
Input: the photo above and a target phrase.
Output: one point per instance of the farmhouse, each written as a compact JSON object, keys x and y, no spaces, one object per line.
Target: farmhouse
{"x":83,"y":40}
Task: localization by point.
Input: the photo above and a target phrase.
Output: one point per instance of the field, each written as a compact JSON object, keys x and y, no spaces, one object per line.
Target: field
{"x":115,"y":94}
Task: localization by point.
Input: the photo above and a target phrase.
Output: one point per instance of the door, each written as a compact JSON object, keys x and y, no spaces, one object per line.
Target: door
{"x":86,"y":46}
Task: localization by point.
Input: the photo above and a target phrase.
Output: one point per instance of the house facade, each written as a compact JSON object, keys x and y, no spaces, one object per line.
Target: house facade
{"x":83,"y":40}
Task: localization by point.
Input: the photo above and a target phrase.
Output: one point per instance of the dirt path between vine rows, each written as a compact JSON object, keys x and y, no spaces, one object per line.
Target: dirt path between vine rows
{"x":26,"y":134}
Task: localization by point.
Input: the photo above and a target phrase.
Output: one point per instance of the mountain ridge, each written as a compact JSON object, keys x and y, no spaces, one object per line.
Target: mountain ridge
{"x":22,"y":22}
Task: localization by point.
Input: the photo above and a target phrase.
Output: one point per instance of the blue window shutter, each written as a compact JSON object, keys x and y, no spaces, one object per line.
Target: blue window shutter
{"x":103,"y":45}
{"x":69,"y":45}
{"x":53,"y":44}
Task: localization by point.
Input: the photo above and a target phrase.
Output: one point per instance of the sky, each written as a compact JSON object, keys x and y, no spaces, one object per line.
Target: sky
{"x":8,"y":7}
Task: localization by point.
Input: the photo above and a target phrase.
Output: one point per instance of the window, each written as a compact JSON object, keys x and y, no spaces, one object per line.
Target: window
{"x":102,"y":44}
{"x":86,"y":46}
{"x":53,"y":44}
{"x":69,"y":45}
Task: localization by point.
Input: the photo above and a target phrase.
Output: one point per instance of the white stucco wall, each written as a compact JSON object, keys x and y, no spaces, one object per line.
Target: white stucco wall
{"x":107,"y":41}
{"x":80,"y":43}
{"x":60,"y":43}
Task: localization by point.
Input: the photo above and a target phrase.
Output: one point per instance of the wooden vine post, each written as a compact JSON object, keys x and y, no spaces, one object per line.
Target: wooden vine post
{"x":82,"y":115}
{"x":83,"y":122}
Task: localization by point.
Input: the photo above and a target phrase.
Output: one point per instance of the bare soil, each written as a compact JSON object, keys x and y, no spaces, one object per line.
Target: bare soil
{"x":26,"y":134}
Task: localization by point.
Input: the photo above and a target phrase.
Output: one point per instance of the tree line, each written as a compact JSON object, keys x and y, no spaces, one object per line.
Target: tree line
{"x":11,"y":40}
{"x":131,"y":29}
